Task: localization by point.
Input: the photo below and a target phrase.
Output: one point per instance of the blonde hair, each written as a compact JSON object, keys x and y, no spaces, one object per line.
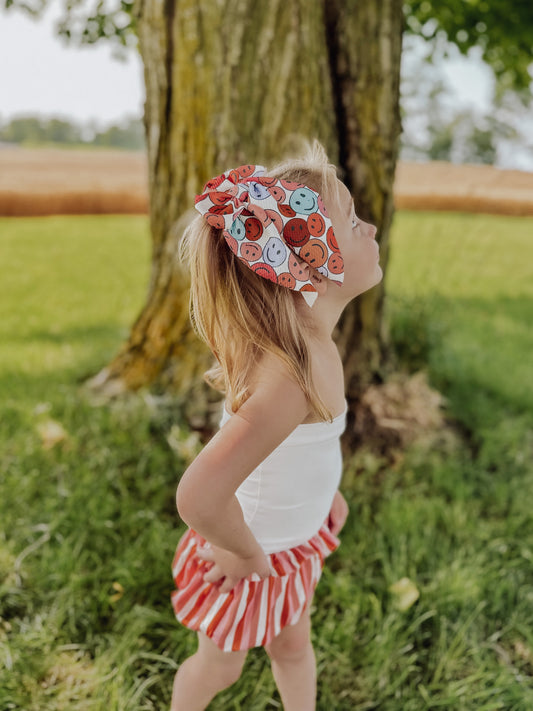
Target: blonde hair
{"x":240,"y":315}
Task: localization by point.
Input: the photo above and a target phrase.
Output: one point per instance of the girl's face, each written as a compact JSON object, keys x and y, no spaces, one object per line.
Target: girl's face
{"x":357,"y":242}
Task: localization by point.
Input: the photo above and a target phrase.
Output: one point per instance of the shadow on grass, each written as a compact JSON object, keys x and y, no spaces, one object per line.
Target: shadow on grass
{"x":94,"y":333}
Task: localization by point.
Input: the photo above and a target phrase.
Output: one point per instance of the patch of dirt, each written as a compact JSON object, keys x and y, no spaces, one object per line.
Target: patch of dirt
{"x":405,"y":409}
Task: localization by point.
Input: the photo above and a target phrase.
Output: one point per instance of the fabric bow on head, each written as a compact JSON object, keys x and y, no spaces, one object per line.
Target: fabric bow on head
{"x":267,"y":222}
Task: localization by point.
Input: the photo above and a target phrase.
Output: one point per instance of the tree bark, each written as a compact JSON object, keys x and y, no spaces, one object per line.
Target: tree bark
{"x":229,"y":83}
{"x":364,"y":42}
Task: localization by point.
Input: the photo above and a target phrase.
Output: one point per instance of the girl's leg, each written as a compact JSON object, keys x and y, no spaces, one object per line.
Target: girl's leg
{"x":204,"y":674}
{"x":294,"y":665}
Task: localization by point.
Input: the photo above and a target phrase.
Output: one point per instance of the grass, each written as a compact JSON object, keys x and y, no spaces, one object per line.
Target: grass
{"x":89,"y":526}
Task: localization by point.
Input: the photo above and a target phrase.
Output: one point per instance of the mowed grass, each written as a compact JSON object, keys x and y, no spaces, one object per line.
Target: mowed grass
{"x":88,"y":526}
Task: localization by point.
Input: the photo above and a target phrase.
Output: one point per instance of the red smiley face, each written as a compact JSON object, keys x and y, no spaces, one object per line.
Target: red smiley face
{"x":220,"y":198}
{"x":287,"y":279}
{"x":267,"y":182}
{"x":286,"y":211}
{"x":314,"y":253}
{"x":214,"y":183}
{"x":277,"y":193}
{"x":253,"y":228}
{"x":265,"y":271}
{"x":251,"y":251}
{"x":298,"y":270}
{"x":215,"y":221}
{"x":245,"y":171}
{"x":332,"y":241}
{"x":296,"y":232}
{"x":275,"y":218}
{"x":221,"y":209}
{"x":335,"y":264}
{"x":290,"y":185}
{"x":322,"y":207}
{"x":316,"y":224}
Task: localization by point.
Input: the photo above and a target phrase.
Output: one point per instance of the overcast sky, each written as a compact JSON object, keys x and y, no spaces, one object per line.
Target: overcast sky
{"x":40,"y":74}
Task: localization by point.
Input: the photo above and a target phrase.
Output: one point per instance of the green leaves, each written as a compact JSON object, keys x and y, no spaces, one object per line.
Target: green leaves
{"x":503,"y":30}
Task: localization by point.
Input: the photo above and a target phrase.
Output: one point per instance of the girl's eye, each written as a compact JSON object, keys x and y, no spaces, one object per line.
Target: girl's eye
{"x":355,"y":222}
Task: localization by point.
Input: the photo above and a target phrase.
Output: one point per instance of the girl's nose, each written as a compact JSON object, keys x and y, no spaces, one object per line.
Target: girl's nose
{"x":373,"y":230}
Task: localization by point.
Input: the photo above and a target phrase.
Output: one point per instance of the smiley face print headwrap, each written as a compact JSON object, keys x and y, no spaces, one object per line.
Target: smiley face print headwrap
{"x":266,"y":222}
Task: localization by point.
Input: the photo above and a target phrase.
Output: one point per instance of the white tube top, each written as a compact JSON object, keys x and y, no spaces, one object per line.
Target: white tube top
{"x":286,"y":499}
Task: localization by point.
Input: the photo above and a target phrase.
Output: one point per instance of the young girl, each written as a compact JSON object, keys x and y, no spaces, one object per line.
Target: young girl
{"x":275,"y":256}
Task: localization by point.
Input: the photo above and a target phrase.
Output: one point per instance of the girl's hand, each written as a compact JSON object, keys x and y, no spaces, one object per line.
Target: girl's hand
{"x":231,"y":567}
{"x":338,"y":514}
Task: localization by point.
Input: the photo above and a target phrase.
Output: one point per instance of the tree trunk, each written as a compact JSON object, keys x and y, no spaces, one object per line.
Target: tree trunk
{"x":228,"y":83}
{"x":364,"y":41}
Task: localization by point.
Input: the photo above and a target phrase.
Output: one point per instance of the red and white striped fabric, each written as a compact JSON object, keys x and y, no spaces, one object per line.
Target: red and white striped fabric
{"x":256,"y":610}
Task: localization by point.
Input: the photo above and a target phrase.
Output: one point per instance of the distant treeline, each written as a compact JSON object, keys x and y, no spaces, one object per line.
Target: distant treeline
{"x":36,"y":130}
{"x":462,"y":137}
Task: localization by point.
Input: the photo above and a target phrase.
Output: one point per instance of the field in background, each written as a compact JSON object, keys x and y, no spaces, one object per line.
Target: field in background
{"x":49,"y":181}
{"x":54,"y":181}
{"x":463,"y":188}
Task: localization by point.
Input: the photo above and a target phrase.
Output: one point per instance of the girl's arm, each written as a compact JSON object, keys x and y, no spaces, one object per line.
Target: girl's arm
{"x":205,"y":496}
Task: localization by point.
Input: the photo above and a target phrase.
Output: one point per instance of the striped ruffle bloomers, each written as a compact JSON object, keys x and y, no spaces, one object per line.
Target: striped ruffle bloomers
{"x":255,"y":610}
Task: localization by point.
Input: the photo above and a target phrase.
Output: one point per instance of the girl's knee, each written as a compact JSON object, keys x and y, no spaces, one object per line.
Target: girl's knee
{"x":223,"y":668}
{"x":293,"y":643}
{"x":287,"y":650}
{"x":201,"y":676}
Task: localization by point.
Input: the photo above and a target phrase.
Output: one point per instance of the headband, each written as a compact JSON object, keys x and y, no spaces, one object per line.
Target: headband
{"x":266,"y":222}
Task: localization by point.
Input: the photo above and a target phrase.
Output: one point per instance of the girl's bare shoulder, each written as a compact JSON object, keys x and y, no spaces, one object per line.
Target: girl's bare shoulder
{"x":327,"y":372}
{"x":270,"y":374}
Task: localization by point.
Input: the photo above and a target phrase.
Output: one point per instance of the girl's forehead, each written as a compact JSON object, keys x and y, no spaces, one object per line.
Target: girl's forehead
{"x":345,"y":198}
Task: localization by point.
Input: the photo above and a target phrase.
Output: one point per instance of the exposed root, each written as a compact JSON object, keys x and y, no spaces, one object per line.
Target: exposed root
{"x":101,"y":388}
{"x":391,"y":416}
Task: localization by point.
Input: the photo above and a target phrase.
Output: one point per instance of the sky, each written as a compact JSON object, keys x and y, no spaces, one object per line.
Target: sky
{"x":41,"y":74}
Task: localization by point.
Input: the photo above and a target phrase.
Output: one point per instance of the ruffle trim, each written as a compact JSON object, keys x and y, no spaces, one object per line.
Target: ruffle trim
{"x":256,"y":610}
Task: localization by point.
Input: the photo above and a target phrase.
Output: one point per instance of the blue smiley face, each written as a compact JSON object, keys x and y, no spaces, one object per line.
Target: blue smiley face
{"x":257,"y":191}
{"x":237,"y":229}
{"x":274,"y":252}
{"x":303,"y":201}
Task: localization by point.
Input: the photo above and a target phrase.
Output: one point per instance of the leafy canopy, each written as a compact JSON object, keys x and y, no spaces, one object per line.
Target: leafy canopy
{"x":503,"y":29}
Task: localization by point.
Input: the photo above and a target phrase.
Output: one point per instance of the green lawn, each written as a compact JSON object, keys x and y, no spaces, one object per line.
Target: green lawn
{"x":88,"y":527}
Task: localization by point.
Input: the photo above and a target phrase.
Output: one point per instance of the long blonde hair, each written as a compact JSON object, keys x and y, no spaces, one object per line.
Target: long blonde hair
{"x":240,"y":315}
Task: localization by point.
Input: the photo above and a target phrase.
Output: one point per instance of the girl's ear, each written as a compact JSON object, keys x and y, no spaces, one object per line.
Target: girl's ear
{"x":318,"y":280}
